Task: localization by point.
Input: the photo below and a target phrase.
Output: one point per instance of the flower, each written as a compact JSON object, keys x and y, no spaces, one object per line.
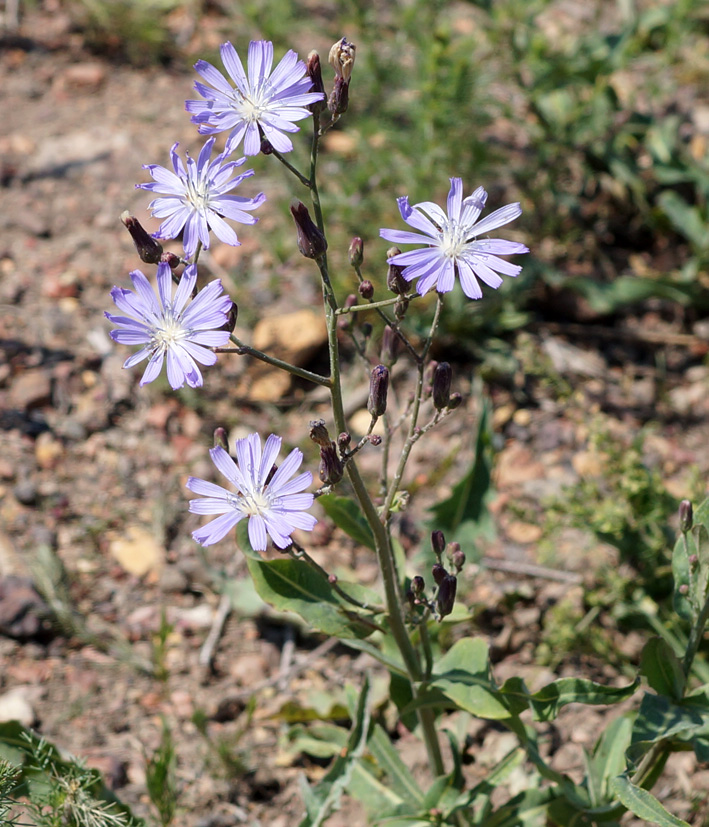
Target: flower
{"x":452,"y":243}
{"x":273,"y":504}
{"x":196,"y":198}
{"x":167,"y":328}
{"x":264,"y":103}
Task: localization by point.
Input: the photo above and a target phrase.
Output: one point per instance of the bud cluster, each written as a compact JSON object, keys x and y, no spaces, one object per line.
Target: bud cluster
{"x":445,"y":579}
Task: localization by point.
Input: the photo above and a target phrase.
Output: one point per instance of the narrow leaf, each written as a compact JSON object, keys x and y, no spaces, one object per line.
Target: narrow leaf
{"x":662,"y":668}
{"x":346,"y":515}
{"x":643,"y":804}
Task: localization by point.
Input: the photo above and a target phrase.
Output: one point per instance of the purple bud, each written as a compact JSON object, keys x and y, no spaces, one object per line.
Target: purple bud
{"x":418,"y":584}
{"x":686,"y":516}
{"x":454,"y":401}
{"x":171,"y":259}
{"x":312,"y":67}
{"x":378,"y":388}
{"x":439,"y":573}
{"x":330,"y":469}
{"x":458,"y":560}
{"x":375,"y":440}
{"x":318,"y":433}
{"x":220,"y":438}
{"x":343,"y":441}
{"x":332,"y":579}
{"x":231,"y":318}
{"x":438,"y":542}
{"x":684,"y":589}
{"x":149,"y":250}
{"x":311,"y":242}
{"x":366,"y":289}
{"x":442,"y":377}
{"x":445,"y":599}
{"x":391,"y":345}
{"x":356,"y":251}
{"x":396,"y":283}
{"x":339,"y":98}
{"x":266,"y":147}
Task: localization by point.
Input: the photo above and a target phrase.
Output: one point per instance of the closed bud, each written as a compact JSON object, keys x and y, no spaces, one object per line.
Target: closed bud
{"x":400,"y":308}
{"x":391,"y":344}
{"x":149,"y":250}
{"x":454,"y":401}
{"x":684,"y":589}
{"x":231,"y":318}
{"x":266,"y":147}
{"x":330,"y":469}
{"x":342,"y":58}
{"x":339,"y":99}
{"x":375,"y":440}
{"x":693,"y":561}
{"x":356,"y":251}
{"x":318,"y":433}
{"x":445,"y":599}
{"x":438,"y":542}
{"x":171,"y":259}
{"x":220,"y":439}
{"x":418,"y":585}
{"x":686,"y":516}
{"x":366,"y":328}
{"x":312,"y":67}
{"x":442,"y":377}
{"x":378,"y":389}
{"x":311,"y":242}
{"x":439,"y":573}
{"x":332,"y":579}
{"x":396,"y":283}
{"x":343,"y":441}
{"x":366,"y":289}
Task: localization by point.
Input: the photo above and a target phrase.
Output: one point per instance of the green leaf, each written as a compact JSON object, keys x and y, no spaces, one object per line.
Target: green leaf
{"x":465,"y":515}
{"x":643,"y":804}
{"x":608,"y":759}
{"x":463,"y":675}
{"x":323,"y":799}
{"x":400,"y":779}
{"x":680,"y":574}
{"x":659,"y":718}
{"x":291,"y":585}
{"x":662,"y":668}
{"x":345,"y":513}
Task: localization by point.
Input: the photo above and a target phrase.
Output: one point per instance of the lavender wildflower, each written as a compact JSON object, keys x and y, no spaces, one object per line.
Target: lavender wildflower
{"x":264,"y":104}
{"x":171,"y":328}
{"x":273,"y":508}
{"x":452,"y":245}
{"x":195,"y":198}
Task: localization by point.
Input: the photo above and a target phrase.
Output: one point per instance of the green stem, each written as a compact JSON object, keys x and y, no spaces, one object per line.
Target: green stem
{"x":246,"y":350}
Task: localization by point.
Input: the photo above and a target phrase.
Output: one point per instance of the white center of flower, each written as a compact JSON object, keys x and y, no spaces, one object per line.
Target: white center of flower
{"x":254,"y":106}
{"x":197,"y":194}
{"x":251,"y":503}
{"x":454,"y":239}
{"x":169,"y":333}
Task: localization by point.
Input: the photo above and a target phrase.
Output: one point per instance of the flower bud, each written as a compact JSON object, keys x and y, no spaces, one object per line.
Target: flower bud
{"x":342,"y":58}
{"x":686,"y":516}
{"x":366,"y":289}
{"x":339,"y":99}
{"x":220,"y":438}
{"x":171,"y":259}
{"x":314,"y":72}
{"x":439,"y":573}
{"x":148,"y":248}
{"x":231,"y":318}
{"x":366,"y":328}
{"x":438,"y":542}
{"x":330,"y":469}
{"x":311,"y":242}
{"x":442,"y":377}
{"x":458,"y":560}
{"x":375,"y":440}
{"x":318,"y":433}
{"x":266,"y":147}
{"x":418,"y":584}
{"x":454,"y":401}
{"x":332,"y":579}
{"x":396,"y":283}
{"x":378,"y":388}
{"x":343,"y":441}
{"x":683,"y":589}
{"x":356,"y":251}
{"x":445,"y":599}
{"x":391,"y":345}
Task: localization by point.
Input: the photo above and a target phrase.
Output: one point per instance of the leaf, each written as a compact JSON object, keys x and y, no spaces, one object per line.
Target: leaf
{"x":345,"y":513}
{"x":400,"y":779}
{"x":659,"y":718}
{"x":323,"y":799}
{"x":662,"y":668}
{"x":463,"y":675}
{"x":291,"y":585}
{"x":680,"y":574}
{"x":643,"y":804}
{"x":608,"y":759}
{"x":464,"y":516}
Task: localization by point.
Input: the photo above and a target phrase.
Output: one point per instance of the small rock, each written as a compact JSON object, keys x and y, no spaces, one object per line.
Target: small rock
{"x":137,"y":551}
{"x":25,"y":492}
{"x":23,"y":613}
{"x":173,"y":580}
{"x":249,"y":669}
{"x":15,"y":706}
{"x":31,"y":389}
{"x":84,"y":77}
{"x":48,"y":450}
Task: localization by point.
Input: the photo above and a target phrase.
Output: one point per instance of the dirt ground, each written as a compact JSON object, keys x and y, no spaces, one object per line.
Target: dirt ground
{"x":92,"y":473}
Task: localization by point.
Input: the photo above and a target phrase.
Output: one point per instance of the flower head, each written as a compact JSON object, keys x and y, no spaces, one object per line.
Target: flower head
{"x":452,"y":243}
{"x":195,"y":197}
{"x":273,"y":504}
{"x":170,"y":327}
{"x":265,"y":101}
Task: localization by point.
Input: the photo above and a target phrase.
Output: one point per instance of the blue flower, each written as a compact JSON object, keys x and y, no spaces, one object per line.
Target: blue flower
{"x":273,"y":504}
{"x":170,"y":327}
{"x":195,"y":198}
{"x":264,"y":102}
{"x":453,"y":246}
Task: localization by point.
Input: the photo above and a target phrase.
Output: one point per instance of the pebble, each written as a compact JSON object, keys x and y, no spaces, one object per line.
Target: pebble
{"x":15,"y":706}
